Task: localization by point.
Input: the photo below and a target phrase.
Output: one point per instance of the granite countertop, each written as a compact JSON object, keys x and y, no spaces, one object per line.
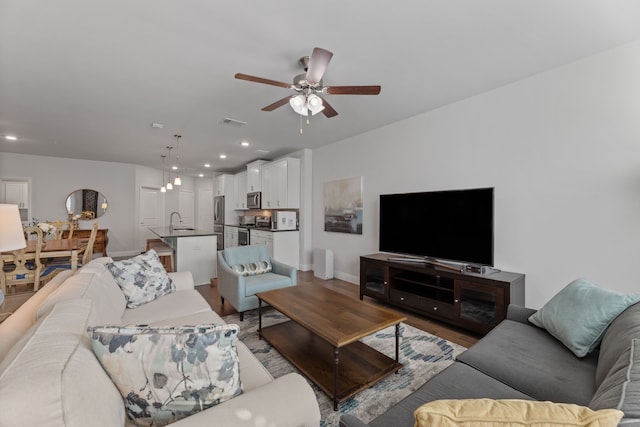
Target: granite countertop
{"x":164,"y":232}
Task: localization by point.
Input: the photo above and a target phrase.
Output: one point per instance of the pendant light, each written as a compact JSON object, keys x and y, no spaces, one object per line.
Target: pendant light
{"x":177,"y":181}
{"x":169,"y":184}
{"x":163,"y":189}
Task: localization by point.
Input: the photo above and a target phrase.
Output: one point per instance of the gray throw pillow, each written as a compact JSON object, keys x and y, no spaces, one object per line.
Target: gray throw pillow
{"x":579,"y":314}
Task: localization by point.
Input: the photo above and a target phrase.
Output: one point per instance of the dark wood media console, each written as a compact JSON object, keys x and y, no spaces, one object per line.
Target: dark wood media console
{"x":471,"y":301}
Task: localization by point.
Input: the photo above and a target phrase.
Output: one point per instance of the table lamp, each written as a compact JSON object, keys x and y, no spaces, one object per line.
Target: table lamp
{"x":11,"y":233}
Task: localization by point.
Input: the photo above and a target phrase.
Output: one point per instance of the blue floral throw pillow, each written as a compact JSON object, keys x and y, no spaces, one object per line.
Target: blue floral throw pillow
{"x":165,"y":374}
{"x":141,"y":278}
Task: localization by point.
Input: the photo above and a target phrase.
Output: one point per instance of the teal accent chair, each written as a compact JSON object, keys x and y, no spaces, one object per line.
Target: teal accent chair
{"x":241,"y":290}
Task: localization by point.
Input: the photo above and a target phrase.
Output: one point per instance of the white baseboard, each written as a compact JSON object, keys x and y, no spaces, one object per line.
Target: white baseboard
{"x":347,"y":277}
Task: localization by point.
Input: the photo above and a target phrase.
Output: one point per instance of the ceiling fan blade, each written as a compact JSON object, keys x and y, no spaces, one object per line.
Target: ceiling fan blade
{"x":277,"y":104}
{"x":353,"y":90}
{"x":262,"y":80}
{"x":328,"y":109}
{"x":318,"y":64}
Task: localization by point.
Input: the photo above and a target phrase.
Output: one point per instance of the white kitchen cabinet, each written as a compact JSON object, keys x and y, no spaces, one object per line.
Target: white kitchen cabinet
{"x":284,"y":246}
{"x":241,"y":190}
{"x":197,"y":254}
{"x":230,"y":237}
{"x":254,"y":176}
{"x":16,"y":193}
{"x":225,"y":185}
{"x":281,"y":184}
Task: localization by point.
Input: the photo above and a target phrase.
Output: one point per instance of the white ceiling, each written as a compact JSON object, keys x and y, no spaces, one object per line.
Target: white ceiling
{"x":86,"y":78}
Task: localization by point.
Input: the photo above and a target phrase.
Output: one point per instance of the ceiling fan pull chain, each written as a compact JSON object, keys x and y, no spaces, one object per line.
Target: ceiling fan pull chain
{"x":300,"y":125}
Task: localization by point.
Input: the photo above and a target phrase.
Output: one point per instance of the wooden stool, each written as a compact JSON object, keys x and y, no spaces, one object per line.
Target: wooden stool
{"x":164,"y":251}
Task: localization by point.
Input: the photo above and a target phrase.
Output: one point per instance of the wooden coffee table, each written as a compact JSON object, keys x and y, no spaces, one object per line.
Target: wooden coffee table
{"x":322,"y":338}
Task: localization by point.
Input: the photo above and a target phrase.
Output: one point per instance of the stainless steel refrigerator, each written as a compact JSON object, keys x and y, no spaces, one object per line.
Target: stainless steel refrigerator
{"x":218,"y":220}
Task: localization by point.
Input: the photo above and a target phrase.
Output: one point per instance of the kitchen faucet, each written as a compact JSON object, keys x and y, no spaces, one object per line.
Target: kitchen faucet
{"x":171,"y":220}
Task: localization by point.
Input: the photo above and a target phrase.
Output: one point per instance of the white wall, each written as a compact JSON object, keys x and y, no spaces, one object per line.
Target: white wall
{"x":562,"y":150}
{"x":54,"y":178}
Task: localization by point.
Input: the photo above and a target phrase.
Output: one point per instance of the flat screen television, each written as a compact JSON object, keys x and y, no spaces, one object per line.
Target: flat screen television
{"x":455,"y":225}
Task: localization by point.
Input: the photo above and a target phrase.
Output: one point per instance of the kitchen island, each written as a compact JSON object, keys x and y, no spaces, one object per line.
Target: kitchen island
{"x":194,"y":250}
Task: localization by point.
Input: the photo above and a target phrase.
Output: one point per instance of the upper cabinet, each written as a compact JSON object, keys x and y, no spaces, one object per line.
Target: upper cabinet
{"x":241,"y":190}
{"x":281,"y":184}
{"x":224,"y":185}
{"x":16,"y":193}
{"x":254,"y":176}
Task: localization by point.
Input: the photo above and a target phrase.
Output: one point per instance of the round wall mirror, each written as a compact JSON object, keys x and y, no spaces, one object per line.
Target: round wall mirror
{"x":89,"y":204}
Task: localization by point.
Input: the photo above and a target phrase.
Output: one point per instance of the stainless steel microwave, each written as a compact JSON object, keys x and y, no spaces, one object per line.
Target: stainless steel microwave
{"x":254,"y":200}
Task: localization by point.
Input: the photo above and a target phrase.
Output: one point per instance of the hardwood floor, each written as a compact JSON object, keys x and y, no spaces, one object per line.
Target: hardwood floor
{"x":443,"y":330}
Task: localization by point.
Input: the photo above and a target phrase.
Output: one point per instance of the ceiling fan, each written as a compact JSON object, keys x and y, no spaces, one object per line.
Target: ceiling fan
{"x":308,"y":87}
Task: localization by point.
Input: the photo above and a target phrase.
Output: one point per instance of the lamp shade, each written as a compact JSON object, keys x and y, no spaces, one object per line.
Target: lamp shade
{"x":11,"y":234}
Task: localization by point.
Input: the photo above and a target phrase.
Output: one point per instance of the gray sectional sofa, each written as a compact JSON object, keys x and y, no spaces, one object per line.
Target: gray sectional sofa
{"x":518,"y":360}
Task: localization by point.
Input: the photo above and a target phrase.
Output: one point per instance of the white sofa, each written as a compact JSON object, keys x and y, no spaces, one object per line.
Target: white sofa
{"x":49,"y":375}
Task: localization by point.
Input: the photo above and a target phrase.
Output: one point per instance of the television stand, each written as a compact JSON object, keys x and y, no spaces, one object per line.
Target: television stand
{"x":468,"y":300}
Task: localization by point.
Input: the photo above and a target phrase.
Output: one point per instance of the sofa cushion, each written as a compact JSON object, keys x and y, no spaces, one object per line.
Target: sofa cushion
{"x":511,"y":413}
{"x":52,"y":378}
{"x":457,"y":381}
{"x":579,"y":314}
{"x":141,"y":278}
{"x":167,"y":308}
{"x":265,"y":282}
{"x":532,"y":361}
{"x":252,"y":268}
{"x":21,"y":321}
{"x":621,"y":388}
{"x":99,"y":287}
{"x":617,"y":339}
{"x":165,"y":374}
{"x":245,"y":254}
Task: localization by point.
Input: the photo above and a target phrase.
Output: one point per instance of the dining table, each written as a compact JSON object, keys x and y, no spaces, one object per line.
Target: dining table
{"x":59,"y":248}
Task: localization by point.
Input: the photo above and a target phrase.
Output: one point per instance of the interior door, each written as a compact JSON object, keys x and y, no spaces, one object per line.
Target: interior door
{"x":151,"y":208}
{"x":205,"y":209}
{"x":186,"y":204}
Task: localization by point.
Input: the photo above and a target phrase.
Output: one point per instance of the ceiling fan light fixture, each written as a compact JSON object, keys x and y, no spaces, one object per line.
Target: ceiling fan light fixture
{"x":298,"y":103}
{"x":314,"y":104}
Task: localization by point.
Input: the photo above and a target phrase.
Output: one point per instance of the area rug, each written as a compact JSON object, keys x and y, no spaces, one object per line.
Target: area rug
{"x":423,"y":355}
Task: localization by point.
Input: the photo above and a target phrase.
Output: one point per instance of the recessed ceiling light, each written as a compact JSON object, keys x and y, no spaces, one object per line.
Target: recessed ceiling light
{"x":175,"y":168}
{"x":200,"y":175}
{"x":223,"y":156}
{"x":207,"y":165}
{"x":244,"y":143}
{"x":11,"y":137}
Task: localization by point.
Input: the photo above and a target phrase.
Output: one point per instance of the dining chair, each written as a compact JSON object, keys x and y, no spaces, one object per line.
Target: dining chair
{"x":20,"y":268}
{"x":88,"y":252}
{"x":54,"y":266}
{"x":60,"y":228}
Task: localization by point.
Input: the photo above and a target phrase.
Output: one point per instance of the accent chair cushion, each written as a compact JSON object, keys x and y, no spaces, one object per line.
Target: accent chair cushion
{"x":580,"y":313}
{"x":621,"y":387}
{"x":141,"y":278}
{"x":245,"y":254}
{"x":252,"y":268}
{"x":165,"y":374}
{"x":507,"y":413}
